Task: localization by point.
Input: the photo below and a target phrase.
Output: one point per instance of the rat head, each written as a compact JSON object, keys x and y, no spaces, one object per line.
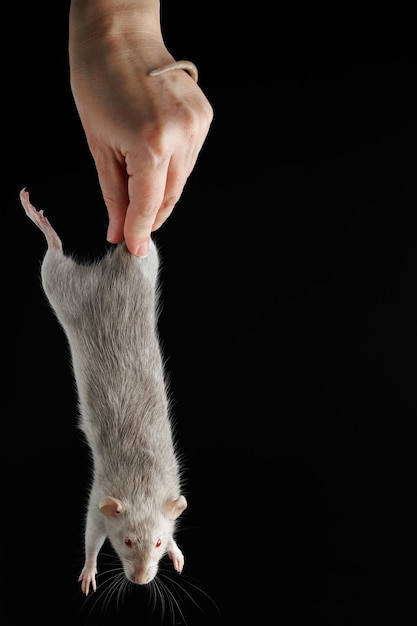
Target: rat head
{"x":140,"y":541}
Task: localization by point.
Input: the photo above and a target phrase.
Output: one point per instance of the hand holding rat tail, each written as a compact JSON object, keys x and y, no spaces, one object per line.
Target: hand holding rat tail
{"x":144,"y":117}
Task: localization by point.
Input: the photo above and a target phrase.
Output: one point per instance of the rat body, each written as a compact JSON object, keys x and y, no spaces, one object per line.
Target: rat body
{"x":108,"y":311}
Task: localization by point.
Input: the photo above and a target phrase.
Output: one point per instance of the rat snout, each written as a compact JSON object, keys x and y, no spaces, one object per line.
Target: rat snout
{"x":143,"y":575}
{"x":141,"y":578}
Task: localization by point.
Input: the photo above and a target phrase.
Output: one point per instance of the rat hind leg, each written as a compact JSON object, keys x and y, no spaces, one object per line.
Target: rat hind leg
{"x":54,"y":242}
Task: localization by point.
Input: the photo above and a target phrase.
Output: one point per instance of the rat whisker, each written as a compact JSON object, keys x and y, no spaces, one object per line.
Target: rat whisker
{"x":189,"y":590}
{"x":101,"y":598}
{"x":123,"y":590}
{"x":155,"y":594}
{"x":171,"y":600}
{"x":113,"y":589}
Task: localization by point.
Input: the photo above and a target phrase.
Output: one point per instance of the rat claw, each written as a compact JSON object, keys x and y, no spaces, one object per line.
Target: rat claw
{"x":87,"y":579}
{"x":177,"y":559}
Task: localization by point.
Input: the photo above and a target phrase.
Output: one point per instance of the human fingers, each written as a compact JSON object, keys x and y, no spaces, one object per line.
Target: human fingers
{"x":177,"y":176}
{"x":153,"y":196}
{"x":113,"y":181}
{"x":146,"y":194}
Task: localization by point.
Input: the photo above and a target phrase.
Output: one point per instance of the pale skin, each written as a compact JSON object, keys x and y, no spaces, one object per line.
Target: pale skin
{"x":145,"y":131}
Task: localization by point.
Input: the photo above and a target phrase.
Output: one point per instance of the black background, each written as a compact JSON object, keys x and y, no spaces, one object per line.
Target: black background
{"x":288,"y":320}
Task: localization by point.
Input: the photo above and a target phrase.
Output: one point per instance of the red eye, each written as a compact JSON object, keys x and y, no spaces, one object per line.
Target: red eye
{"x":158,"y":543}
{"x":128,"y":542}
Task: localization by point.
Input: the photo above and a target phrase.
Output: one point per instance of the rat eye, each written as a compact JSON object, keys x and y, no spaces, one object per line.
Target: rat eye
{"x":128,"y":542}
{"x":158,"y":543}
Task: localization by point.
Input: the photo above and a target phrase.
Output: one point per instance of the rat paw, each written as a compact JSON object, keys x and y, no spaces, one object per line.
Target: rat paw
{"x":88,"y":578}
{"x":177,"y":558}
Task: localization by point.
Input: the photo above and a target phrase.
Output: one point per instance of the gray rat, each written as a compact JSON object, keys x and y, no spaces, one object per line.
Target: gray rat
{"x":108,"y":310}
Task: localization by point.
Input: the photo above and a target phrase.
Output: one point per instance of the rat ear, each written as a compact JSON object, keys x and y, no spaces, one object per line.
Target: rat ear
{"x":176,"y":507}
{"x":110,"y":506}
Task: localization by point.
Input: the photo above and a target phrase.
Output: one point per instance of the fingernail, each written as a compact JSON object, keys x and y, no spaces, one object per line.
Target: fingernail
{"x":111,"y":234}
{"x":142,"y":251}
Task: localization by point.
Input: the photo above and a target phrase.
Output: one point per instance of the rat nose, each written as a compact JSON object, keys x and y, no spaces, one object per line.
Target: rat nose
{"x":141,"y":577}
{"x":143,"y":574}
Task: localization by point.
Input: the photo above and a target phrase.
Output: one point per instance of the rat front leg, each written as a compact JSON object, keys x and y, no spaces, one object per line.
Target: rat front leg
{"x":41,"y":222}
{"x":175,"y":555}
{"x":95,"y":536}
{"x":87,"y":577}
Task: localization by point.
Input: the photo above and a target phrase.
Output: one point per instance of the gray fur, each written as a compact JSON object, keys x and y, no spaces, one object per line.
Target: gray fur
{"x":108,"y":310}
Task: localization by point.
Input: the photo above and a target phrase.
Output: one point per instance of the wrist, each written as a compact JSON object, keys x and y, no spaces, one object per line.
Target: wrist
{"x":119,"y":32}
{"x":91,"y":19}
